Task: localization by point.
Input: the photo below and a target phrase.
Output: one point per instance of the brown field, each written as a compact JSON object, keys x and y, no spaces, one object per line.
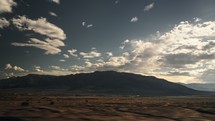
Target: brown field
{"x":98,"y":108}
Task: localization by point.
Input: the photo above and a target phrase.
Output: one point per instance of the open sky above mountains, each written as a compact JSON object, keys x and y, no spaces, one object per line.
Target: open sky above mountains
{"x":171,"y":39}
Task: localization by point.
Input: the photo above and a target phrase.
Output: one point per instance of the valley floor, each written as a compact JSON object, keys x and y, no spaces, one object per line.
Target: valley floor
{"x":78,"y":108}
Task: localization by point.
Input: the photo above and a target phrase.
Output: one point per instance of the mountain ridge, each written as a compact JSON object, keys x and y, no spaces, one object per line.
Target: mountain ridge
{"x":106,"y":82}
{"x":201,"y":86}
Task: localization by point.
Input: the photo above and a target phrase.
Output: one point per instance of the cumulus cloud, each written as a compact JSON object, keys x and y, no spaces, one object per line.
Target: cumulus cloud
{"x":72,"y":52}
{"x":190,"y":38}
{"x":8,"y":66}
{"x":123,"y":44}
{"x":196,"y":19}
{"x":134,"y":19}
{"x":109,"y":54}
{"x":6,"y":6}
{"x":117,"y":61}
{"x":185,"y":54}
{"x":15,"y":68}
{"x":77,"y":69}
{"x":53,"y":14}
{"x":113,"y":63}
{"x":91,"y":54}
{"x":66,"y":56}
{"x":50,"y":46}
{"x":149,"y":7}
{"x":41,"y":26}
{"x":55,"y":67}
{"x":37,"y":69}
{"x":4,"y":23}
{"x":54,"y":70}
{"x":140,"y":55}
{"x":188,"y":47}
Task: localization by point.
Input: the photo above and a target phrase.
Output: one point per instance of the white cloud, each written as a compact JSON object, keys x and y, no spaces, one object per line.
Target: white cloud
{"x":185,"y":54}
{"x":196,"y":19}
{"x":140,"y":55}
{"x":62,"y":60}
{"x":56,"y":1}
{"x":109,"y":54}
{"x":66,"y":56}
{"x":41,"y":26}
{"x":54,"y":34}
{"x":149,"y":7}
{"x":134,"y":19}
{"x":72,"y":52}
{"x":4,"y":23}
{"x":187,"y":50}
{"x":187,"y":38}
{"x":15,"y":68}
{"x":6,"y":6}
{"x":83,"y":23}
{"x":53,"y":14}
{"x":188,"y":46}
{"x":123,"y":44}
{"x":117,"y":61}
{"x":50,"y":46}
{"x":90,"y":25}
{"x":92,"y":54}
{"x":54,"y":70}
{"x":55,"y":42}
{"x":8,"y":66}
{"x":38,"y":69}
{"x":77,"y":69}
{"x":55,"y":67}
{"x":113,"y":63}
{"x":88,"y":64}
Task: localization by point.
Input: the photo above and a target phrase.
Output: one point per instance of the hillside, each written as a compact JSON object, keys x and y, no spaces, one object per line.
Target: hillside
{"x":104,"y":82}
{"x":202,"y":87}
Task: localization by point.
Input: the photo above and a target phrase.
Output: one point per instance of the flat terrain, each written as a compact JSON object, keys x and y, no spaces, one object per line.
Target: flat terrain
{"x":78,"y":108}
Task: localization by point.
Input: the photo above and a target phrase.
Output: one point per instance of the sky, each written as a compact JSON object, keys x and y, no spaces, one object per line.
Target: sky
{"x":170,"y":39}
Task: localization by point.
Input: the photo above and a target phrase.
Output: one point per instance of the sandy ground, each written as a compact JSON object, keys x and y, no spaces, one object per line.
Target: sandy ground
{"x":85,"y":108}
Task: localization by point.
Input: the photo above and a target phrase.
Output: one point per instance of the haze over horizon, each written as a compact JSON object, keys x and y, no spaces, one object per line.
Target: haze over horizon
{"x":169,"y":39}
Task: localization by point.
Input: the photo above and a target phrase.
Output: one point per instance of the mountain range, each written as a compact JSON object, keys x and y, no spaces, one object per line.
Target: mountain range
{"x":201,"y":86}
{"x":101,"y":82}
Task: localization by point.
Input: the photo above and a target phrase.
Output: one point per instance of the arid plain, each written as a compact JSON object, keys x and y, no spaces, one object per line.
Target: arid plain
{"x":106,"y":108}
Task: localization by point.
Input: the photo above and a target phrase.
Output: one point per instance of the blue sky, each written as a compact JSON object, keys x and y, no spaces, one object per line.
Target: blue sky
{"x":168,"y":39}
